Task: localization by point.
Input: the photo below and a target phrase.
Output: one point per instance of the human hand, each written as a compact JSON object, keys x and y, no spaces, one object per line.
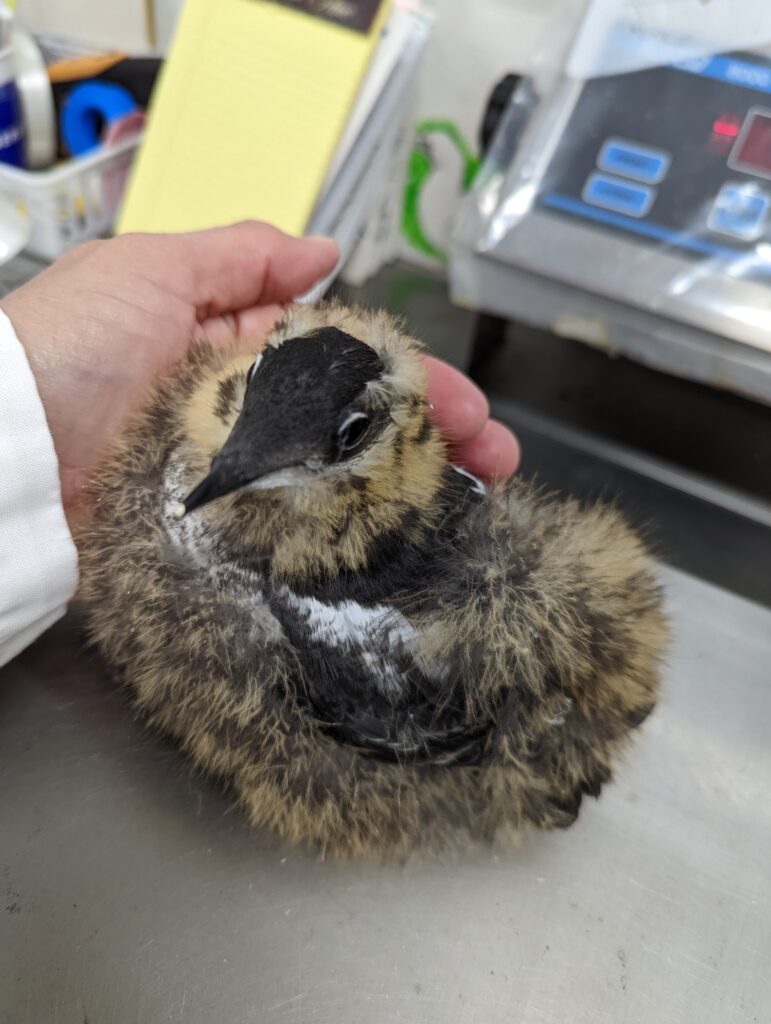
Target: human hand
{"x":483,"y":446}
{"x":104,"y":322}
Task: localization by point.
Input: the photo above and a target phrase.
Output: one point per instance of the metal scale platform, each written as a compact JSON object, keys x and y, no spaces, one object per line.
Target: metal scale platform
{"x":134,"y":891}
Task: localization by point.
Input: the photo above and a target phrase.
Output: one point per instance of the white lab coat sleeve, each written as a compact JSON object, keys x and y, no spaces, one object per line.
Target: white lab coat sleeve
{"x":38,"y":560}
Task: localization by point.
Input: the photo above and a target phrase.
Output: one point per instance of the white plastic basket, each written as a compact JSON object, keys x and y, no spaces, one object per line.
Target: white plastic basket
{"x":74,"y":201}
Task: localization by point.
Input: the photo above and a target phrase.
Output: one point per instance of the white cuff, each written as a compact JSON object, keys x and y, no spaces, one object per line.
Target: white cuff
{"x":38,"y":560}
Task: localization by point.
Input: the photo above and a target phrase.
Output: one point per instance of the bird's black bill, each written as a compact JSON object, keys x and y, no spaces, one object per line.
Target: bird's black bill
{"x":216,"y":485}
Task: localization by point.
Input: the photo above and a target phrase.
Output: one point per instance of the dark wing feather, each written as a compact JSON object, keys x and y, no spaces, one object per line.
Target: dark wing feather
{"x":451,"y":747}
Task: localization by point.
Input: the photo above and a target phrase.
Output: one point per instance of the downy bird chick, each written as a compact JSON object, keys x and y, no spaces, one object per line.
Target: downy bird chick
{"x":372,"y":649}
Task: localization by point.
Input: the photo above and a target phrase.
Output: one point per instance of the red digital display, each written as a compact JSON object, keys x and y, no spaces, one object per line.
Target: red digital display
{"x":726,"y":126}
{"x":752,"y":153}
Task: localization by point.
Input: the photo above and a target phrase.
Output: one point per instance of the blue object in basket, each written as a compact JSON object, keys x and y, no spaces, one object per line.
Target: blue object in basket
{"x":11,"y":119}
{"x":88,"y":110}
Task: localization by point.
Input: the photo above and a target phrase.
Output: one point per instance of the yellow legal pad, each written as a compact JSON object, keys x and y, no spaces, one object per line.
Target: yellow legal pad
{"x":250,"y":106}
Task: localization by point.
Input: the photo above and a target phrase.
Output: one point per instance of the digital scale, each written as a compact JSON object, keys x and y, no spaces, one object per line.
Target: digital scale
{"x":674,"y":156}
{"x":635,"y":214}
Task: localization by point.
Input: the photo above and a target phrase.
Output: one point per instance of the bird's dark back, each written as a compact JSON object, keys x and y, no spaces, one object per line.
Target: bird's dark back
{"x":359,"y":676}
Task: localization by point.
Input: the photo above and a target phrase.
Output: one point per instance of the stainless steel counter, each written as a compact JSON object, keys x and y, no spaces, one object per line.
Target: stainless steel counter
{"x":133,"y":892}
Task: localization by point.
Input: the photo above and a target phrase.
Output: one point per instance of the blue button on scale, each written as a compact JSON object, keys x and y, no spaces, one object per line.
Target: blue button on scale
{"x":619,"y":196}
{"x":634,"y":160}
{"x":739,"y":211}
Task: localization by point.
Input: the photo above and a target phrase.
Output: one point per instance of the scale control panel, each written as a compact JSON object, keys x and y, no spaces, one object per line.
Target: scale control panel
{"x":677,"y":156}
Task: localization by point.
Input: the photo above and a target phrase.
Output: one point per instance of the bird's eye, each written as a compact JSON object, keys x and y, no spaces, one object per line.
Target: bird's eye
{"x":351,"y":433}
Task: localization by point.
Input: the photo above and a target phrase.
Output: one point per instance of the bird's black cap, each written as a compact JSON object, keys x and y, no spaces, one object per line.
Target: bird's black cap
{"x":298,"y":398}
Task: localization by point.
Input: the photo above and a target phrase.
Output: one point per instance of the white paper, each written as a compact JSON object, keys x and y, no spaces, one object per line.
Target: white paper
{"x":101,"y":24}
{"x":395,"y":37}
{"x":619,"y":36}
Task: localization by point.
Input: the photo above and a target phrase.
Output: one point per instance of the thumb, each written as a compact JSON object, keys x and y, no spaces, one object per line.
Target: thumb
{"x":245,"y":329}
{"x":251,"y":264}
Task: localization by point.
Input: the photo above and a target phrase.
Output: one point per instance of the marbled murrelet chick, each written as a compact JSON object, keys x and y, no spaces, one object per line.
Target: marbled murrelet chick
{"x":376,"y":653}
